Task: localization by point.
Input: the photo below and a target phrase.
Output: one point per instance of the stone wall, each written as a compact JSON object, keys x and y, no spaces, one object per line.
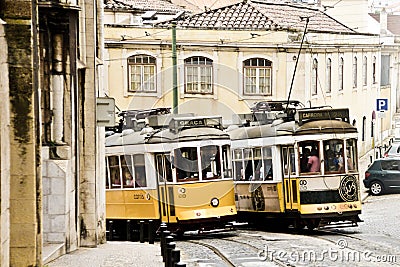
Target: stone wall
{"x":4,"y":153}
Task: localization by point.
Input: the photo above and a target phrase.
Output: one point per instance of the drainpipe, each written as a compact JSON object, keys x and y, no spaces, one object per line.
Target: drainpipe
{"x":174,"y":71}
{"x":57,"y":86}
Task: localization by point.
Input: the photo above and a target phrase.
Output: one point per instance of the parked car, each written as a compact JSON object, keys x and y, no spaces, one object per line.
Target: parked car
{"x":383,"y":176}
{"x":393,"y":150}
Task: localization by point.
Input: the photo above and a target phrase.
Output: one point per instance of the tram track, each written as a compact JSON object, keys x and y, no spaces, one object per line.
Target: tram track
{"x":304,"y":248}
{"x":235,"y":253}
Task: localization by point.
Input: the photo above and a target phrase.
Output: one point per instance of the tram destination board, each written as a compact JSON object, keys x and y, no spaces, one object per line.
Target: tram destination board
{"x":323,"y":114}
{"x":177,"y":124}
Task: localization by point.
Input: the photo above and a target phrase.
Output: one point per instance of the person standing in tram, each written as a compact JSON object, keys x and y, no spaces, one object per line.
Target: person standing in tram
{"x":314,"y":164}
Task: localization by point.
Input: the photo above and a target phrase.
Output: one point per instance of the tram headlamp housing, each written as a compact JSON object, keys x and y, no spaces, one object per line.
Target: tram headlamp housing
{"x":214,"y":202}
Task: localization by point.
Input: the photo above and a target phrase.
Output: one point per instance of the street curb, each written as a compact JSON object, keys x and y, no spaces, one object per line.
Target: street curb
{"x":363,"y":198}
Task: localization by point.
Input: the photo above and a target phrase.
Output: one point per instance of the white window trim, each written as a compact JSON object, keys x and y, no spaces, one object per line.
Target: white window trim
{"x":182,"y":80}
{"x":240,"y":67}
{"x":124,"y":65}
{"x":328,"y":57}
{"x":314,"y":94}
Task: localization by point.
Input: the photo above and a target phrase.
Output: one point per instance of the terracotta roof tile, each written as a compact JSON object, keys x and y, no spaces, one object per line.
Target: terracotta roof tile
{"x":263,"y":15}
{"x":145,"y":5}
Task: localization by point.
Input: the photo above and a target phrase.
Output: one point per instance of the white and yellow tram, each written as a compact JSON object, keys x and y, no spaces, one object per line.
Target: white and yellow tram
{"x":301,"y":169}
{"x":178,"y":171}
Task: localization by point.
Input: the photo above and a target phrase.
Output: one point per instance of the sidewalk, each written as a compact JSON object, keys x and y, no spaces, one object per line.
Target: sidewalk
{"x":363,"y":164}
{"x":113,"y":254}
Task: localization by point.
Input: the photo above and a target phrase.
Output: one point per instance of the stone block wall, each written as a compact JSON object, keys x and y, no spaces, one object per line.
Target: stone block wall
{"x":57,"y":205}
{"x":4,"y":153}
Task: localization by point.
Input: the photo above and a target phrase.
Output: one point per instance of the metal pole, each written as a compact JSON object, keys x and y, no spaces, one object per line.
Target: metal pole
{"x":174,"y":71}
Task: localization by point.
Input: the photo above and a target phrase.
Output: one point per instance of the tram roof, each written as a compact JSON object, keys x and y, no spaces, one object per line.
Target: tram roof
{"x":127,"y":137}
{"x":190,"y":134}
{"x":292,"y":128}
{"x":130,"y":137}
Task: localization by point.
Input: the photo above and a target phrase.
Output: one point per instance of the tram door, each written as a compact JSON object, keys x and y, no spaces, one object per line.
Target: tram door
{"x":164,"y":175}
{"x":289,"y":180}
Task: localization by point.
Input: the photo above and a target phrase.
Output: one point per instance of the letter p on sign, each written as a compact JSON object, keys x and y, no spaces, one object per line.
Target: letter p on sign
{"x":382,"y":104}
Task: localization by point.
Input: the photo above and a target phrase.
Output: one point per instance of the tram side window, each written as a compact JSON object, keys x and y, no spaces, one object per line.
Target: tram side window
{"x":164,"y":168}
{"x":186,"y":164}
{"x":248,"y":164}
{"x":309,"y":157}
{"x":333,"y":156}
{"x":210,"y":162}
{"x":107,"y":174}
{"x":140,"y":171}
{"x":288,"y":160}
{"x":227,"y":169}
{"x":267,"y":162}
{"x":351,"y":150}
{"x":238,"y":164}
{"x":126,"y":167}
{"x":115,"y":175}
{"x":168,"y":168}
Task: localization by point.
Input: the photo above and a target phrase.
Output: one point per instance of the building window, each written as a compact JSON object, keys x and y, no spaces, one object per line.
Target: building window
{"x":257,"y":76}
{"x":341,"y":72}
{"x":329,"y":75}
{"x":314,"y":77}
{"x":141,"y":74}
{"x":355,"y":72}
{"x":365,"y":69}
{"x":385,"y":70}
{"x":374,"y":70}
{"x":198,"y":74}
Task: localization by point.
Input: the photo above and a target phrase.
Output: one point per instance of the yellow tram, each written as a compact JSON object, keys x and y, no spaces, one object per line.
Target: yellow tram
{"x":175,"y":170}
{"x":297,"y":166}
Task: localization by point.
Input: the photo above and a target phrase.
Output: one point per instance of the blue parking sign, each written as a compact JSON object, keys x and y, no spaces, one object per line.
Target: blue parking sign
{"x":382,"y":104}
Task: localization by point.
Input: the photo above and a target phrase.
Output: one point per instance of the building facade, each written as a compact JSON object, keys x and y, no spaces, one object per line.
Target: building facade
{"x":230,"y":57}
{"x":51,"y":163}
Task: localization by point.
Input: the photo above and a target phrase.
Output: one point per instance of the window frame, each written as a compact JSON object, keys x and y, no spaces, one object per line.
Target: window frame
{"x":329,"y":75}
{"x":207,"y":68}
{"x":132,"y":62}
{"x":341,"y":74}
{"x":314,"y":77}
{"x":355,"y":77}
{"x":365,"y":71}
{"x":258,"y":67}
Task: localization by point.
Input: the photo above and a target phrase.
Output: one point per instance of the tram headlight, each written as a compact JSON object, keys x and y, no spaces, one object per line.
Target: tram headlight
{"x":214,"y":202}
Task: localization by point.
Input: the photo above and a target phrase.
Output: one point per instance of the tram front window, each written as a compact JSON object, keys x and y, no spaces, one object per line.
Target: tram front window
{"x":186,"y":164}
{"x":210,"y":162}
{"x":333,"y":155}
{"x":351,"y":154}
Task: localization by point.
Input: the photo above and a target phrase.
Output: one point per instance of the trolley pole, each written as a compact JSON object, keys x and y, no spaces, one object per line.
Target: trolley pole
{"x":174,"y":71}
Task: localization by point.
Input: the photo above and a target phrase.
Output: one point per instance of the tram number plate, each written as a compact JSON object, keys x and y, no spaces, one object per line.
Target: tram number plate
{"x":138,"y":196}
{"x":303,"y":185}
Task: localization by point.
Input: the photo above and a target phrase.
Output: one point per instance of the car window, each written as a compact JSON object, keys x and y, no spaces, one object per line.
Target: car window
{"x":390,"y":165}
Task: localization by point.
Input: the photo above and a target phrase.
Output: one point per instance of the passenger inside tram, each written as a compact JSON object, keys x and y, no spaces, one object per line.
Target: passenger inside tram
{"x":314,"y":163}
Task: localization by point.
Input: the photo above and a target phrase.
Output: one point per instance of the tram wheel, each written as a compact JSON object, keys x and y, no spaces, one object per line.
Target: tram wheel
{"x":312,"y":224}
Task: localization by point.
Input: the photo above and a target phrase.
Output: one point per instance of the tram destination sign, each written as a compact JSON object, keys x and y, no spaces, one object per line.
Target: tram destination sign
{"x":177,"y":124}
{"x":323,"y":114}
